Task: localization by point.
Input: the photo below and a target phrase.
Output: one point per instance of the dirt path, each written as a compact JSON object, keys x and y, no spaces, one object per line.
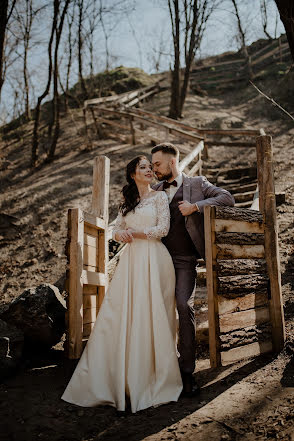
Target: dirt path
{"x":252,"y":400}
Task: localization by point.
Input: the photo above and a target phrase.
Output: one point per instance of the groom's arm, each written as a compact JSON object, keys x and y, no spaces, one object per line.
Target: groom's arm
{"x":205,"y":193}
{"x":214,"y":195}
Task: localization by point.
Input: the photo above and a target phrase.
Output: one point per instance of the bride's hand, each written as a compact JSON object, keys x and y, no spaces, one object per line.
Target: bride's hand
{"x":125,"y":236}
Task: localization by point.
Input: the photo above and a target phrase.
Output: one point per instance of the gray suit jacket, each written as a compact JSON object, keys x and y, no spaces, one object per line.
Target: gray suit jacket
{"x":199,"y":189}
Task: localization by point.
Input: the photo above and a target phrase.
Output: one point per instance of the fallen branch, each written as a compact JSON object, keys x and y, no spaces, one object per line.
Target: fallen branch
{"x":272,"y":101}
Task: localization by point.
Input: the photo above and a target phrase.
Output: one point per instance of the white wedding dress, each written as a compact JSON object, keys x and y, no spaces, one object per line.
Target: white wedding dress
{"x":131,"y":350}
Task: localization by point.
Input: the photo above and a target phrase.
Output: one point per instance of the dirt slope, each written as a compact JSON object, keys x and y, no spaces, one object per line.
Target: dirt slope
{"x":251,"y":400}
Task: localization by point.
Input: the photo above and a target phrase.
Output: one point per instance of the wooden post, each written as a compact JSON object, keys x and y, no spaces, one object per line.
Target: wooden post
{"x":100,"y":202}
{"x":213,"y":319}
{"x":267,"y":205}
{"x":133,"y":137}
{"x":75,"y":299}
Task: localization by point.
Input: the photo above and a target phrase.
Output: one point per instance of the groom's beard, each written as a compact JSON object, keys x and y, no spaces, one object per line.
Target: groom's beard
{"x":164,"y":177}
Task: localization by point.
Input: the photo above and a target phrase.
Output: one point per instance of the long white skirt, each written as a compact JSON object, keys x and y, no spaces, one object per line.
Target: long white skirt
{"x":131,"y":350}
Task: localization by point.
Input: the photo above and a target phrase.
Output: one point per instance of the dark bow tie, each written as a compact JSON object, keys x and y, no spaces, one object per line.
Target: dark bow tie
{"x":167,"y":184}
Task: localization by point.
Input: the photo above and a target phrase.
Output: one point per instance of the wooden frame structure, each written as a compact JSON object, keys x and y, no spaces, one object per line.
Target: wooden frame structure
{"x":245,"y":307}
{"x":87,"y":253}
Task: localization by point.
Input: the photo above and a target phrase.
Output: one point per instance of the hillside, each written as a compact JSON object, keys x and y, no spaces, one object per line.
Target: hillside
{"x":250,"y":400}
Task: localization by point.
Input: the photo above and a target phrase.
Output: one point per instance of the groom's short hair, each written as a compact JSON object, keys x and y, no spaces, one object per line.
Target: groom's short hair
{"x":168,"y":148}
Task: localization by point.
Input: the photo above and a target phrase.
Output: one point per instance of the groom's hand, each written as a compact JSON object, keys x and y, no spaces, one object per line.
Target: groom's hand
{"x":186,"y":208}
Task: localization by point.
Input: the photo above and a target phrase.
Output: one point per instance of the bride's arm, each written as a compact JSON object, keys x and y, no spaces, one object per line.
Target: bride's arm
{"x":119,"y":232}
{"x":163,"y":220}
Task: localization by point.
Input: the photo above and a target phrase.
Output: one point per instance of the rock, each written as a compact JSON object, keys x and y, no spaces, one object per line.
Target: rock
{"x":40,"y":314}
{"x":11,"y":348}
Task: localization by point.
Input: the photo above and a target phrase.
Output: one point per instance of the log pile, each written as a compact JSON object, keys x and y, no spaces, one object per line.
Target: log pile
{"x":239,"y":293}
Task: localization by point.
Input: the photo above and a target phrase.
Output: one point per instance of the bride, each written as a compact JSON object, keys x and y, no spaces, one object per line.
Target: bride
{"x":131,"y":350}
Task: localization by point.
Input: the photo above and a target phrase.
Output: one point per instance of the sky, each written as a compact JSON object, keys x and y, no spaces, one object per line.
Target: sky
{"x":134,"y":41}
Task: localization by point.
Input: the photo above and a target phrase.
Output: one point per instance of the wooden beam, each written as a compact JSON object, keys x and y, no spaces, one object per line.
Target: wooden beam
{"x":93,"y":278}
{"x":213,"y":318}
{"x":268,"y":208}
{"x":93,"y":220}
{"x":189,"y":158}
{"x":238,"y":320}
{"x":247,"y":351}
{"x":75,"y":298}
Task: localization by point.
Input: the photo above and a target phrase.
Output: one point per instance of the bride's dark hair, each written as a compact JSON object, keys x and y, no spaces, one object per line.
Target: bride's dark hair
{"x":131,"y":197}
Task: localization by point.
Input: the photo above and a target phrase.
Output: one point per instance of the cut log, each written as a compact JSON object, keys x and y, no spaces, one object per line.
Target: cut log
{"x":245,"y":196}
{"x":233,"y":226}
{"x":249,"y":301}
{"x":235,"y":286}
{"x":239,"y":320}
{"x":241,"y":266}
{"x":225,"y":251}
{"x":240,"y":238}
{"x":248,"y":335}
{"x":247,"y":351}
{"x":238,"y":214}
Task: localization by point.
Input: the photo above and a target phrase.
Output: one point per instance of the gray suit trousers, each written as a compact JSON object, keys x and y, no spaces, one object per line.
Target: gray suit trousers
{"x":185,"y":268}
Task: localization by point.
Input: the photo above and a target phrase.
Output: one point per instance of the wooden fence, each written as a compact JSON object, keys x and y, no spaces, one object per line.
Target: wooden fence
{"x":222,"y":74}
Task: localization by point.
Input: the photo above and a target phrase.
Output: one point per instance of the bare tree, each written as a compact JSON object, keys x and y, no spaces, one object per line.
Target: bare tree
{"x":242,"y":39}
{"x":35,"y":141}
{"x":24,"y":15}
{"x":193,"y":15}
{"x":56,"y":101}
{"x":6,"y":10}
{"x":264,"y":17}
{"x":286,"y":10}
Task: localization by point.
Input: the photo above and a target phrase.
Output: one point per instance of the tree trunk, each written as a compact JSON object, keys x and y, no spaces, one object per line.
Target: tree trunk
{"x":3,"y":23}
{"x":35,"y":141}
{"x":56,"y":101}
{"x":286,"y":10}
{"x":174,"y":109}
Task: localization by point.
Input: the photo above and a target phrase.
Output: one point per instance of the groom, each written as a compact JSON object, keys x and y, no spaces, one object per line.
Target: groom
{"x":185,"y":242}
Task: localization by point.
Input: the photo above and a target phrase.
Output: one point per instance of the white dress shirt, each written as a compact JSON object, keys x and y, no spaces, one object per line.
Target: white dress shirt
{"x":171,"y":190}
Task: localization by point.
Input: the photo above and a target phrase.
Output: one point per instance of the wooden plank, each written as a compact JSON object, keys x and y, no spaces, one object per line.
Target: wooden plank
{"x":268,"y":207}
{"x":196,"y":167}
{"x":110,"y":122}
{"x":247,"y":351}
{"x":94,"y":221}
{"x":75,"y":298}
{"x":91,"y":240}
{"x":235,"y":226}
{"x":229,"y":132}
{"x":230,"y":143}
{"x":169,"y":121}
{"x":245,"y":336}
{"x":225,"y":251}
{"x":237,"y":320}
{"x":103,"y":263}
{"x":249,"y":301}
{"x":90,"y":290}
{"x":87,"y":329}
{"x":90,"y":301}
{"x":90,"y":268}
{"x":93,"y":278}
{"x":90,"y":255}
{"x":213,"y":319}
{"x":89,"y":315}
{"x":189,"y":158}
{"x":100,"y":192}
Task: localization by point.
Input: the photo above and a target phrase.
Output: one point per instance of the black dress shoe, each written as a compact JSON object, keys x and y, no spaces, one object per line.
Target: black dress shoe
{"x":190,"y":387}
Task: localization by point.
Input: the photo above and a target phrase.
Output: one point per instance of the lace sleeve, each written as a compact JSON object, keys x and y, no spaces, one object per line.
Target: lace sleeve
{"x":163,"y":218}
{"x":120,"y":224}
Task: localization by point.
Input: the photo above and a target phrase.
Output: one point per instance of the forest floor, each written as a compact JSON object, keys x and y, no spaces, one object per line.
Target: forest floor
{"x":248,"y":400}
